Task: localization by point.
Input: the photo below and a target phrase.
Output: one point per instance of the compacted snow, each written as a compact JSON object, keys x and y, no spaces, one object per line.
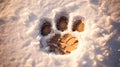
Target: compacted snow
{"x":99,"y":43}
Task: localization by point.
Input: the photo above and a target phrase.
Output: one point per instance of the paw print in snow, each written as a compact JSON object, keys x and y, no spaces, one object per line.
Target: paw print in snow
{"x":52,"y":39}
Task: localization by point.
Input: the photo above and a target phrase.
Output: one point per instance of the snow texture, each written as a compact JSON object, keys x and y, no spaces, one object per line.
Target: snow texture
{"x":20,"y":39}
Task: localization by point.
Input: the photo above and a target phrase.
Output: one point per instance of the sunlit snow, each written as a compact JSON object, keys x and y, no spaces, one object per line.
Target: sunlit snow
{"x":20,"y":39}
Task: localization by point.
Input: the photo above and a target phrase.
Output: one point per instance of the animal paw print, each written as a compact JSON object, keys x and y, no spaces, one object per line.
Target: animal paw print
{"x":52,"y":38}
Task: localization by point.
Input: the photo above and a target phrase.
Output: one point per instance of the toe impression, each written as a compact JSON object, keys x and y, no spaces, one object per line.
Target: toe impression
{"x":46,"y":28}
{"x":78,"y":26}
{"x":62,"y":23}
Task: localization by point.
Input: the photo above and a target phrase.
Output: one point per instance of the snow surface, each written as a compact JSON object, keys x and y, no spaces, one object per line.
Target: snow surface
{"x":20,"y":40}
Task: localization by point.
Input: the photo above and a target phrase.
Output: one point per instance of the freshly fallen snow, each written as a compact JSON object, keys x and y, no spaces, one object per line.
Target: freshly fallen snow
{"x":20,"y":40}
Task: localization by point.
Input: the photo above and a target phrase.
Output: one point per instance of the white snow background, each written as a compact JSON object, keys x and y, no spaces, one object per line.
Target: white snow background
{"x":20,"y":40}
